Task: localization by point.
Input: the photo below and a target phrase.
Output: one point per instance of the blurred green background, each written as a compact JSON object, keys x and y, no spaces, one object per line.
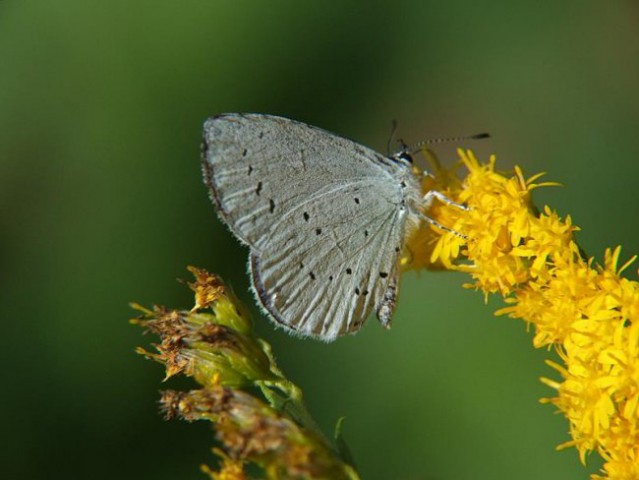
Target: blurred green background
{"x":101,"y":106}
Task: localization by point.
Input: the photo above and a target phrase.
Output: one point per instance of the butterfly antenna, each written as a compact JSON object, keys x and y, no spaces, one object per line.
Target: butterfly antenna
{"x":391,"y":137}
{"x":417,"y":147}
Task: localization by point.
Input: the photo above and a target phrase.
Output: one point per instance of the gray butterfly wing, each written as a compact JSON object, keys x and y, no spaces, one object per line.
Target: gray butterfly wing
{"x":323,"y":216}
{"x":323,"y":277}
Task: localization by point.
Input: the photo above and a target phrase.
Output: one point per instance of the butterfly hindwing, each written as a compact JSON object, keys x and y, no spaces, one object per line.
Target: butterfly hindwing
{"x":324,"y":276}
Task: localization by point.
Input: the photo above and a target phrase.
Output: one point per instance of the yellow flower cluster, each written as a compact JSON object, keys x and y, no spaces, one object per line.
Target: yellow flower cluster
{"x":586,"y":311}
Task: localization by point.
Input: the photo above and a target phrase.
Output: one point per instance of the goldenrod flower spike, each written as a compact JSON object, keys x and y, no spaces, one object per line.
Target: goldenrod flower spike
{"x":586,"y":311}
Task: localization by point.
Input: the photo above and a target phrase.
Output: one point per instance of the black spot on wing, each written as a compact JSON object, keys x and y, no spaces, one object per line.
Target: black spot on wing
{"x":259,"y":188}
{"x":204,"y":149}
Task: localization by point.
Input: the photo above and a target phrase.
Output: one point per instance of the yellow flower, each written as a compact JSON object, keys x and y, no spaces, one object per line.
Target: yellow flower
{"x":231,"y":469}
{"x":586,"y":311}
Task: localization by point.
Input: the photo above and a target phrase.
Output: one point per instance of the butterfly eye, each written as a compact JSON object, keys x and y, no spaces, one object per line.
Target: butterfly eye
{"x":404,"y":156}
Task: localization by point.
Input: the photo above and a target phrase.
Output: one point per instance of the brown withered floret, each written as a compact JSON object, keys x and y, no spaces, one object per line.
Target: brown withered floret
{"x":218,"y":335}
{"x":208,"y":287}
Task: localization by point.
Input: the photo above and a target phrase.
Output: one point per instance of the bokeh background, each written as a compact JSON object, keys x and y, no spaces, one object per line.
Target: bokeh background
{"x":101,"y":203}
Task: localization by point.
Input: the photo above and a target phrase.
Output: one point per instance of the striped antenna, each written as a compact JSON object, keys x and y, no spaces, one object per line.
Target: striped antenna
{"x":417,"y":147}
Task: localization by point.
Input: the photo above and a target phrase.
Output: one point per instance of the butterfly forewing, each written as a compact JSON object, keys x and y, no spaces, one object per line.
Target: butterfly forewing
{"x":259,"y":166}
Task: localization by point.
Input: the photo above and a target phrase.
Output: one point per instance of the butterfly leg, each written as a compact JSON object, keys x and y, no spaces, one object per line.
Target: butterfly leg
{"x":434,"y":194}
{"x":428,"y":199}
{"x":435,"y":223}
